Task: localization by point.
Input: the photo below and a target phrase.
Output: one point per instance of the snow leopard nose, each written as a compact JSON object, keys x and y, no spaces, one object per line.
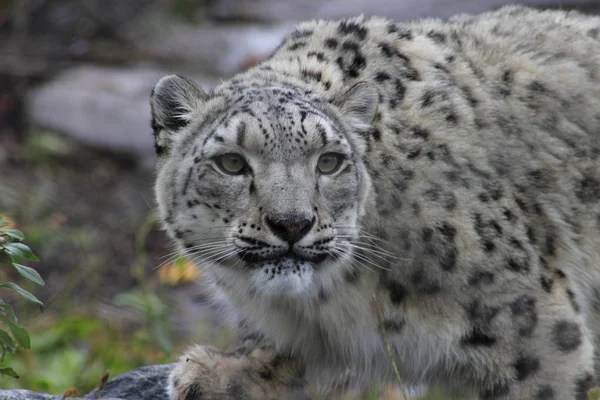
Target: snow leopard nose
{"x":291,"y":229}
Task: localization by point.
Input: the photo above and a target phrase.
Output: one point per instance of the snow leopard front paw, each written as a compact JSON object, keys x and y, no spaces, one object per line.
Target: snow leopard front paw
{"x":206,"y":373}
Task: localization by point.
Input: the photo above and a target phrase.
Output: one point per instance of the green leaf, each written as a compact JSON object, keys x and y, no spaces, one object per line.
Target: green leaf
{"x":8,"y":310}
{"x":3,"y":222}
{"x":18,"y":332}
{"x":29,"y":273}
{"x":9,"y":372}
{"x":13,"y":233}
{"x":20,"y":251}
{"x":6,"y":343}
{"x":21,"y":291}
{"x":5,"y":339}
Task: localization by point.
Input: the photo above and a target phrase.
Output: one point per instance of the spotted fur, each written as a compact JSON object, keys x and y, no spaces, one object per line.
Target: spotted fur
{"x":466,"y":204}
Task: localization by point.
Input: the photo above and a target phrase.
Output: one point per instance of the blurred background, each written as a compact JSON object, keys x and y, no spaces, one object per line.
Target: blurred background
{"x":76,"y":167}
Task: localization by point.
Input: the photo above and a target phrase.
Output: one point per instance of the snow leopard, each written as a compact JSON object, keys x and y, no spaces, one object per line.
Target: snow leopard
{"x":376,"y":196}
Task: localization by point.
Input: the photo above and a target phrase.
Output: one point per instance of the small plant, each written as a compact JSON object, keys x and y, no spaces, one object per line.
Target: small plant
{"x":156,"y":314}
{"x":13,"y":252}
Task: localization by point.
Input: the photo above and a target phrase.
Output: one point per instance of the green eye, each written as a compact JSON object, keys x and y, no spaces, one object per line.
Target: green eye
{"x":329,"y":163}
{"x":232,"y":164}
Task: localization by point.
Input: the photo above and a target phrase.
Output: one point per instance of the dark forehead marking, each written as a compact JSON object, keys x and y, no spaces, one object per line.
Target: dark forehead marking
{"x":193,"y":135}
{"x":217,"y":121}
{"x":302,"y":119}
{"x":222,"y":119}
{"x":323,"y":132}
{"x":241,"y":133}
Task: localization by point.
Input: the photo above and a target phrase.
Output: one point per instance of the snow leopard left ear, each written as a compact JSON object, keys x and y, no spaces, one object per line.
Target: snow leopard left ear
{"x":173,"y":101}
{"x":358,"y":105}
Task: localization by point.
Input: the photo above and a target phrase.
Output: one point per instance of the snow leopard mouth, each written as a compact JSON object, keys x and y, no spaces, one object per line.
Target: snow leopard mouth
{"x":290,"y":257}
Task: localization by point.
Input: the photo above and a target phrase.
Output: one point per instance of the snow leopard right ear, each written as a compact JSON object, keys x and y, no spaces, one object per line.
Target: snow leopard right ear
{"x":173,"y":102}
{"x":358,"y":105}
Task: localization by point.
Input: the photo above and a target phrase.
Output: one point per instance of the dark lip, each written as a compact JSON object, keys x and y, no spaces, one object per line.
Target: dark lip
{"x":254,"y":259}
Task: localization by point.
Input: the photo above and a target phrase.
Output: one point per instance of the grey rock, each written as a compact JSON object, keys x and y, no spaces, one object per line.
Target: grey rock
{"x":207,"y":48}
{"x":146,"y":383}
{"x":25,"y":395}
{"x":101,"y":106}
{"x":105,"y":107}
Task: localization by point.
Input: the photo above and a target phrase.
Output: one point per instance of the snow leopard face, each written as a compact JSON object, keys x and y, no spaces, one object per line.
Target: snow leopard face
{"x":262,"y":184}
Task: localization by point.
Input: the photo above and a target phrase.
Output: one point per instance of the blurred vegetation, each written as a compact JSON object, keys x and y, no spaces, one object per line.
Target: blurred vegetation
{"x":13,"y":252}
{"x":187,"y":9}
{"x":74,"y":351}
{"x":74,"y":347}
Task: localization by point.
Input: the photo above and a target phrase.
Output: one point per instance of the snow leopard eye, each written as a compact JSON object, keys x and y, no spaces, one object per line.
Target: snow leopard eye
{"x":232,"y":164}
{"x":329,"y":163}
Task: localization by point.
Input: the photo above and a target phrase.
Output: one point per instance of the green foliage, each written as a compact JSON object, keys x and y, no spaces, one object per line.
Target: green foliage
{"x":45,"y":146}
{"x":185,"y":9}
{"x":74,"y":351}
{"x":594,"y":394}
{"x":13,"y":252}
{"x":156,"y":315}
{"x":73,"y":345}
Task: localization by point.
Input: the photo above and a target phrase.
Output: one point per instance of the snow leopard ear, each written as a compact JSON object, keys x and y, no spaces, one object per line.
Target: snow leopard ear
{"x":173,"y":101}
{"x":358,"y":105}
